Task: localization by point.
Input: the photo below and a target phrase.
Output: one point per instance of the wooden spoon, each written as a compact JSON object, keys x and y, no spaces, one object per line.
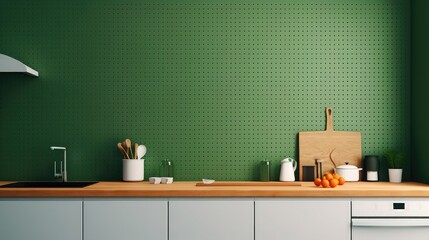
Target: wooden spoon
{"x":128,"y":144}
{"x":136,"y":146}
{"x":123,"y":150}
{"x":124,"y":145}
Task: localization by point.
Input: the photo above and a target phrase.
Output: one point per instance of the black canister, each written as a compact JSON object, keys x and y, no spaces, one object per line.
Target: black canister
{"x":372,"y":166}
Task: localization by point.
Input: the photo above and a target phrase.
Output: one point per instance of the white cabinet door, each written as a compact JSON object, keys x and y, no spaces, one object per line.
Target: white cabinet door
{"x":211,"y":219}
{"x":40,"y":219}
{"x":302,"y":219}
{"x":125,"y":219}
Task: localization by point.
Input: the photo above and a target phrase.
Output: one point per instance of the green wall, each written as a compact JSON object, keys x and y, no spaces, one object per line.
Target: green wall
{"x":214,"y":86}
{"x":419,"y":90}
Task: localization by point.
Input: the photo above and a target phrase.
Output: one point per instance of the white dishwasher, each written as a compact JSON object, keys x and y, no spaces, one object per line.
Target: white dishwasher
{"x":380,"y":219}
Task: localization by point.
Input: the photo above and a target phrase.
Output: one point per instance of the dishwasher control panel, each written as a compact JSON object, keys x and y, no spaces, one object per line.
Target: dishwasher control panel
{"x":390,"y":208}
{"x":398,"y":205}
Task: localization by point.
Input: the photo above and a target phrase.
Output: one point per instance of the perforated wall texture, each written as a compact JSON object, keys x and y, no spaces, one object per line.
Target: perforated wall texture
{"x":215,"y":86}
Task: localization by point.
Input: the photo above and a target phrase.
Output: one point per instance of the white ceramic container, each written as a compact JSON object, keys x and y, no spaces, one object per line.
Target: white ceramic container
{"x":155,"y":180}
{"x":167,"y":180}
{"x":132,"y":170}
{"x":395,"y":175}
{"x":349,"y":172}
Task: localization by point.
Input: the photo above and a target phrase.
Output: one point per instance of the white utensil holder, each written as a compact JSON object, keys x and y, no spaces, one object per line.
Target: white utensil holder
{"x":133,"y":170}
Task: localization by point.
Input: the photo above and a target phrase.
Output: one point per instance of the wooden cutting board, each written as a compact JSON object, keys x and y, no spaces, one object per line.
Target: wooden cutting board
{"x":340,"y":146}
{"x":247,"y":184}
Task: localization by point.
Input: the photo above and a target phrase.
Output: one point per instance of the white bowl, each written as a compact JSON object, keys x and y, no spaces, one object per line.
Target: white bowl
{"x":167,"y":180}
{"x":208,"y":181}
{"x":155,"y":180}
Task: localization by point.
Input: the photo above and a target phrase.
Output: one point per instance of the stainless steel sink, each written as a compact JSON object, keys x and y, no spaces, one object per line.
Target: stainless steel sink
{"x":47,"y":185}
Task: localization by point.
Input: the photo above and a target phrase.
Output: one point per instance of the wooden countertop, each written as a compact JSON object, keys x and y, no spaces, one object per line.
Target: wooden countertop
{"x":188,"y":189}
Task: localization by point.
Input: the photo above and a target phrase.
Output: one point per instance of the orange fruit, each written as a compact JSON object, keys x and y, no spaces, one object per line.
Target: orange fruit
{"x":333,"y":183}
{"x":317,"y":181}
{"x":329,"y":177}
{"x":324,"y":178}
{"x":336,"y":176}
{"x":341,"y":181}
{"x":325,"y":183}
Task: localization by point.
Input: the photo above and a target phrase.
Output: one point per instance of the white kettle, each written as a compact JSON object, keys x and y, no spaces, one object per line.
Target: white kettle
{"x":287,"y":170}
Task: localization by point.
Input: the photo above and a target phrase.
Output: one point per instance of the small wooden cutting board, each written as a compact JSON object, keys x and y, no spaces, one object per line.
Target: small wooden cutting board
{"x":242,"y":184}
{"x":340,"y":146}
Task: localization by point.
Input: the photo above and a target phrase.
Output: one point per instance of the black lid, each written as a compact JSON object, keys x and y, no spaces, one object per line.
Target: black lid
{"x":371,"y":163}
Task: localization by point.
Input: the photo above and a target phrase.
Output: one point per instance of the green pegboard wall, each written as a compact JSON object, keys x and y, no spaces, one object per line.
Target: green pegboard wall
{"x":214,"y":86}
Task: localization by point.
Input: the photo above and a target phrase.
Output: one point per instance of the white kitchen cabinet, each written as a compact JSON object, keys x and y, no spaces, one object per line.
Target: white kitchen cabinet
{"x":40,"y":219}
{"x":211,"y":219}
{"x":125,"y":219}
{"x":302,"y":219}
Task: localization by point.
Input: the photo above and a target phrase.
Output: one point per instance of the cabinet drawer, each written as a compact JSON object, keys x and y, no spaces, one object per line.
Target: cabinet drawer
{"x":211,"y":219}
{"x":129,"y":219}
{"x":302,"y":219}
{"x":40,"y":219}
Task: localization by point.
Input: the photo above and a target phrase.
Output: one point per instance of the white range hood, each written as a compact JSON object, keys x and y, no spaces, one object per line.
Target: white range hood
{"x":8,"y":64}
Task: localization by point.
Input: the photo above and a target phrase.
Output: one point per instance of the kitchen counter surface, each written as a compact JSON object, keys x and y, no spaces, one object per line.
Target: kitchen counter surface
{"x":189,"y":189}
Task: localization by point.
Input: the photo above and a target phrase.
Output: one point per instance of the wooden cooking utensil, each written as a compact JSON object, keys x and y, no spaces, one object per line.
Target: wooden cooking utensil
{"x":329,"y":146}
{"x":128,"y":144}
{"x":123,"y":151}
{"x":124,"y":145}
{"x":136,"y":146}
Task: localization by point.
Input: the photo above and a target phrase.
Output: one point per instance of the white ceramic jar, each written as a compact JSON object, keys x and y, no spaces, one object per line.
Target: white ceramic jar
{"x":132,"y":170}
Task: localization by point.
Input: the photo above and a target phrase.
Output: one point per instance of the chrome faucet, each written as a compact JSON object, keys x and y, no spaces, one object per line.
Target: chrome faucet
{"x":62,"y":174}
